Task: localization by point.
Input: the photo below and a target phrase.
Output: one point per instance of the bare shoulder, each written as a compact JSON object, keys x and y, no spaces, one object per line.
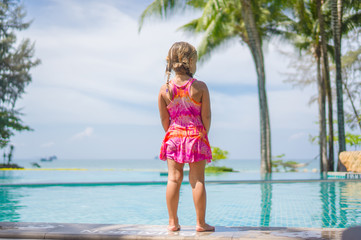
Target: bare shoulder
{"x":163,"y":88}
{"x":163,"y":93}
{"x":200,"y":85}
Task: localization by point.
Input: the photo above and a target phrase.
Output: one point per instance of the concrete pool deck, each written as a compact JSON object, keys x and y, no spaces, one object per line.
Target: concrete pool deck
{"x":24,"y":230}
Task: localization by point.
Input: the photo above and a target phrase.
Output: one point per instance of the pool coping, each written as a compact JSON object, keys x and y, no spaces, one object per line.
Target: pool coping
{"x":81,"y":231}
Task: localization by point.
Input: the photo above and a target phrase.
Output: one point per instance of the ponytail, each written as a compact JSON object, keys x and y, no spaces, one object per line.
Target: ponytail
{"x":168,"y":71}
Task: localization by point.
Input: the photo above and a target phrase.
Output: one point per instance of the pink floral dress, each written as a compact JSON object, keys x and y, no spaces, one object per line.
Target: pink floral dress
{"x":186,"y":140}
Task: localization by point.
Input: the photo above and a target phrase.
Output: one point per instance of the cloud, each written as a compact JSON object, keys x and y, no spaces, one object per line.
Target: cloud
{"x":98,"y":71}
{"x":95,"y":66}
{"x":83,"y":134}
{"x":47,"y":144}
{"x":72,"y":106}
{"x":297,"y":135}
{"x":289,"y":109}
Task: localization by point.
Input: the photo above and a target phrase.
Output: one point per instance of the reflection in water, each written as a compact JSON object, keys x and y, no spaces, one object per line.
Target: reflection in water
{"x":266,"y":204}
{"x":10,"y":176}
{"x":341,"y":203}
{"x":325,"y":198}
{"x":6,"y":175}
{"x":10,"y":204}
{"x":266,"y":176}
{"x":332,"y":203}
{"x":350,"y":202}
{"x":10,"y":199}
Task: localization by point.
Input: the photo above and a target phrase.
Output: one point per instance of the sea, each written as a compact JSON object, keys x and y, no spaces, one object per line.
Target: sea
{"x":138,"y":170}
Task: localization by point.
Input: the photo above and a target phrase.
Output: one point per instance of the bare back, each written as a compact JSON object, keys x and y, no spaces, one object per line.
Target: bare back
{"x":197,"y":89}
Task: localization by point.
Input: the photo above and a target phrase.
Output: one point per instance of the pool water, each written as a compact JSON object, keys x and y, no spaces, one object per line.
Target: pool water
{"x":300,"y":204}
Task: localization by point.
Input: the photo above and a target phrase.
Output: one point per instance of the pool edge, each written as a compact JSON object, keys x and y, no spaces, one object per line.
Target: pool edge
{"x":42,"y":230}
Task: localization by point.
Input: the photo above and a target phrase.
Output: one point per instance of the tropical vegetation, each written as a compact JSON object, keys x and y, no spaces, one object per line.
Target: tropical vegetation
{"x":287,"y":166}
{"x":217,"y":155}
{"x":16,"y":60}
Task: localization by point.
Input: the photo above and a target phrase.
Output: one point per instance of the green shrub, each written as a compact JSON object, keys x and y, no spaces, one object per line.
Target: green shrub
{"x":216,"y":169}
{"x":218,"y":154}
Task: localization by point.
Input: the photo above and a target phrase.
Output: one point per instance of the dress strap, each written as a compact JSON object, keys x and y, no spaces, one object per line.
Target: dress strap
{"x":173,"y":89}
{"x":190,"y":84}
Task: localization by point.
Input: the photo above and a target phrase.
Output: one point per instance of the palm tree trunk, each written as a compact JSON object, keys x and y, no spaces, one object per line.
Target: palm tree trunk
{"x":255,"y":45}
{"x":326,"y":77}
{"x":327,"y":86}
{"x":321,"y":114}
{"x":322,"y":87}
{"x":331,"y":158}
{"x":336,"y":13}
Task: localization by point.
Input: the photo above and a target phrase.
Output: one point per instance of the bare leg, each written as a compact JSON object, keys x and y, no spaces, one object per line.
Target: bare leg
{"x":175,"y":178}
{"x":196,"y":179}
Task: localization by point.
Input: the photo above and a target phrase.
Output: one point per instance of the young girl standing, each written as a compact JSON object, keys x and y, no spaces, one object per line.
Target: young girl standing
{"x":185,"y":112}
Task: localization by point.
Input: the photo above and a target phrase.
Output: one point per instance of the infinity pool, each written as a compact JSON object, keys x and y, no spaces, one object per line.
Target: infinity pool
{"x":300,"y":204}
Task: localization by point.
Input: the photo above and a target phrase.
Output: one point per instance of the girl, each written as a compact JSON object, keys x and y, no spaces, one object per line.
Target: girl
{"x":184,"y":108}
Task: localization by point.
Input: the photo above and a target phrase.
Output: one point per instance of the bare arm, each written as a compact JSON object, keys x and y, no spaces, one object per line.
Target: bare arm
{"x":206,"y":108}
{"x":163,"y":111}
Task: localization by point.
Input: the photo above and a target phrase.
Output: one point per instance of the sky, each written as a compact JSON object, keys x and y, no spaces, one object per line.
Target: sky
{"x":94,"y":96}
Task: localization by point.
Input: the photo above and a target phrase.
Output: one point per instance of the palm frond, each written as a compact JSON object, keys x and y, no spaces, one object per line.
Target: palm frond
{"x":161,"y":9}
{"x":199,"y":4}
{"x":352,"y":4}
{"x":191,"y":27}
{"x":216,"y":24}
{"x":331,"y":52}
{"x":351,"y":22}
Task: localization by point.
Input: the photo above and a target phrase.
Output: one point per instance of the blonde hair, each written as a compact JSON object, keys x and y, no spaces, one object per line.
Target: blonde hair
{"x":179,"y":56}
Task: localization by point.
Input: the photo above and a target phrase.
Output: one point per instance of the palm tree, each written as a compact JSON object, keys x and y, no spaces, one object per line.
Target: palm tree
{"x":255,"y":44}
{"x":302,"y":30}
{"x":328,"y":165}
{"x":345,"y":17}
{"x":309,"y":31}
{"x":221,"y":21}
{"x":336,"y":12}
{"x":351,"y":63}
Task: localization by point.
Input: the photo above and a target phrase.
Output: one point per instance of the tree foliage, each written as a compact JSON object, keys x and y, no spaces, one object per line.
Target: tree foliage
{"x":351,"y":72}
{"x":16,"y":60}
{"x":278,"y":161}
{"x":352,"y":139}
{"x":302,"y":73}
{"x":218,"y":154}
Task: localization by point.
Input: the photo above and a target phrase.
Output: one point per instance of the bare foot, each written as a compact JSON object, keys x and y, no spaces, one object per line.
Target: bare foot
{"x":174,"y":228}
{"x":205,"y":228}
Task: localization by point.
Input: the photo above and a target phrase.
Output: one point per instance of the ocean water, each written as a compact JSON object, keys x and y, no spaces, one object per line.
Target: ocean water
{"x":242,"y":165}
{"x":67,"y":170}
